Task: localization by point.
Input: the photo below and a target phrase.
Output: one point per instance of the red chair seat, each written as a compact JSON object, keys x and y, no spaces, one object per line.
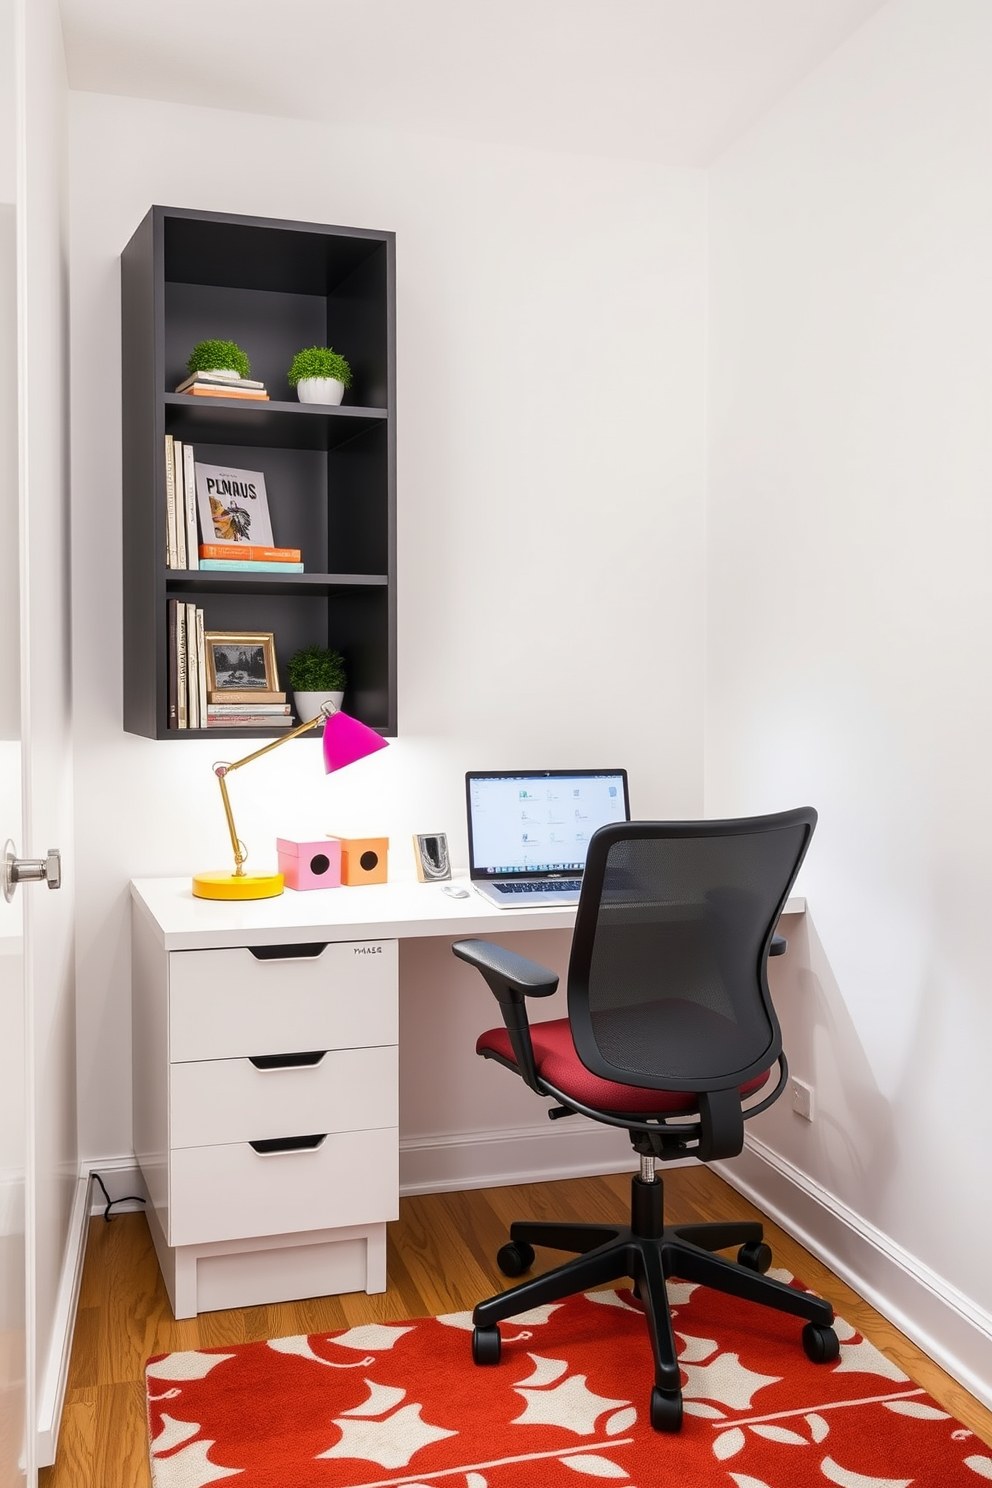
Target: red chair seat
{"x":558,"y":1063}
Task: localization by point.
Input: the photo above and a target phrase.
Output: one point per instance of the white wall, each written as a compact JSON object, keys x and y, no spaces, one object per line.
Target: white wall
{"x":850,"y":539}
{"x":550,"y":351}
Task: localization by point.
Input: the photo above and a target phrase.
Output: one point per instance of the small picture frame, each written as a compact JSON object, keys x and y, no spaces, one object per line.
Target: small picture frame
{"x":431,"y":852}
{"x":241,"y":661}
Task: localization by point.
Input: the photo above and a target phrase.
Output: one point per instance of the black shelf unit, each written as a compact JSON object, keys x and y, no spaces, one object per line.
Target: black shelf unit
{"x":330,"y":473}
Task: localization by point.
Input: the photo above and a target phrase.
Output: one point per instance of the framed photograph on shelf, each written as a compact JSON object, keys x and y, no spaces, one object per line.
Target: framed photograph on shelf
{"x":241,"y":661}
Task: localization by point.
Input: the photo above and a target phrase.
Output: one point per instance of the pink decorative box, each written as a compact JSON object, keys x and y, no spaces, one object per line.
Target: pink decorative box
{"x":310,"y":865}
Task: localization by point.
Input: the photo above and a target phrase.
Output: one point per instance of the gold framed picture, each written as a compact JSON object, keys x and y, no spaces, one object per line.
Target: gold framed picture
{"x":241,"y":661}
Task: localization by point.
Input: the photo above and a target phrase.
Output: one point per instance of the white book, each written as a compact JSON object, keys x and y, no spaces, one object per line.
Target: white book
{"x":171,"y":552}
{"x":189,"y":494}
{"x":192,"y":670}
{"x":201,"y":667}
{"x":182,"y":702}
{"x":233,"y":506}
{"x":177,"y":461}
{"x":220,"y":379}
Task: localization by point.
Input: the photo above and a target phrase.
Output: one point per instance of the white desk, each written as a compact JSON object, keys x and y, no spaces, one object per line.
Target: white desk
{"x":214,"y":1026}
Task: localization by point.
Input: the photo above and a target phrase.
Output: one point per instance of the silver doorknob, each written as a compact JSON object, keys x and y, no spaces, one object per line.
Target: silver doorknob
{"x":17,"y":870}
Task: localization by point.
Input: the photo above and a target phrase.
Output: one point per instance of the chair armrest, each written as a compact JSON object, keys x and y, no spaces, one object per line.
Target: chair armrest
{"x":779,"y":946}
{"x":511,"y":977}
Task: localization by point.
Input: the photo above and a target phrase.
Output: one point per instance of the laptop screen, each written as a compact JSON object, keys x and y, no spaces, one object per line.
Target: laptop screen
{"x":535,"y":822}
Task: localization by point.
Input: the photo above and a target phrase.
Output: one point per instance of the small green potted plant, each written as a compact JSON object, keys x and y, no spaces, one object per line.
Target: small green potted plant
{"x":219,"y":359}
{"x":316,"y":675}
{"x":319,"y":374}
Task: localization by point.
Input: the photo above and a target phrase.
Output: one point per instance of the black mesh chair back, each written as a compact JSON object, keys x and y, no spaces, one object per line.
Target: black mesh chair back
{"x":667,"y":984}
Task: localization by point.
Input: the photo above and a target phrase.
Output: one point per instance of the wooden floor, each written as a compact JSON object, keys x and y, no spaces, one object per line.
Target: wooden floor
{"x":441,"y":1259}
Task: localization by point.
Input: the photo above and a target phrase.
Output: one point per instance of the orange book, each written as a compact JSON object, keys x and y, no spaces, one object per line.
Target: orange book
{"x":223,"y":392}
{"x":249,"y":553}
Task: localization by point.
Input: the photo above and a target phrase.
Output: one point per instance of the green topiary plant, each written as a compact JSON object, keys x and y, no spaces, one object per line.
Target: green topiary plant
{"x":319,"y":361}
{"x":316,"y":669}
{"x":212,"y":356}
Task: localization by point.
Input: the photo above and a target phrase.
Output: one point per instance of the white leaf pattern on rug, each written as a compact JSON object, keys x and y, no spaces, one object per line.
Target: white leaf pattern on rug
{"x":916,"y":1408}
{"x":595,"y":1466}
{"x":610,"y":1298}
{"x":818,"y":1427}
{"x":743,"y":1481}
{"x":381,"y":1399}
{"x":391,"y":1442}
{"x":698,"y":1408}
{"x":780,"y":1434}
{"x":464,"y":1319}
{"x":190,"y":1365}
{"x":173,"y":1433}
{"x":725,"y":1380}
{"x":679,"y":1292}
{"x":545,"y":1371}
{"x":696,"y":1349}
{"x":864,"y":1358}
{"x":621,"y":1421}
{"x":299,"y":1344}
{"x":846,"y":1478}
{"x":571,"y":1405}
{"x":729,"y":1443}
{"x":189,"y":1468}
{"x":980,"y":1465}
{"x":475,"y":1480}
{"x":374,"y":1336}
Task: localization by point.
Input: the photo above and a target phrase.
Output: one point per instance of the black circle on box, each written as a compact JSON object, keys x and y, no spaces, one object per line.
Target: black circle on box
{"x":369,"y":860}
{"x":319,"y":863}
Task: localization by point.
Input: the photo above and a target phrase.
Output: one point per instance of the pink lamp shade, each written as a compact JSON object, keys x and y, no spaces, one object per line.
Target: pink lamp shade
{"x":346,"y":740}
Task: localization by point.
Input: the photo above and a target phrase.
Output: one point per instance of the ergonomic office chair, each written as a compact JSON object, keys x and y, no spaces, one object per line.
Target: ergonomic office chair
{"x":671,"y":1034}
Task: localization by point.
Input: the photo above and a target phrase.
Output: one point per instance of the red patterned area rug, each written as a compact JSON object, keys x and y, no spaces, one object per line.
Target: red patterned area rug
{"x":403,"y":1406}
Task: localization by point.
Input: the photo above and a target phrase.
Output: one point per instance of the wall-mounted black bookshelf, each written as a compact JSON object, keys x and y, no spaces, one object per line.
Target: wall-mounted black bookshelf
{"x":273,"y":287}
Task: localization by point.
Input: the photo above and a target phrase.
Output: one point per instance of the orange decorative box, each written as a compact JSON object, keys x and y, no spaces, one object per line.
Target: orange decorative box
{"x":364,"y":860}
{"x":310,"y":865}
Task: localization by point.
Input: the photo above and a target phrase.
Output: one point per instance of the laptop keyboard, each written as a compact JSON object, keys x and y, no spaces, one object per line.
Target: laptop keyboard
{"x":555,"y":886}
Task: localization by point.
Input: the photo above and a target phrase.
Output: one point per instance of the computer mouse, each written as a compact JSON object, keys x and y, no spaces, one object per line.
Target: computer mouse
{"x":454,"y":891}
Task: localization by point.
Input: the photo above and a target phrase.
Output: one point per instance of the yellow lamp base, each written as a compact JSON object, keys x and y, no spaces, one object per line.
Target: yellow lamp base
{"x":237,"y":886}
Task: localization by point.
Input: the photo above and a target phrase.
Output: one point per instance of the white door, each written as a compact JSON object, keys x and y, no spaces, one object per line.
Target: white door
{"x":38,"y":1153}
{"x":13,"y":1345}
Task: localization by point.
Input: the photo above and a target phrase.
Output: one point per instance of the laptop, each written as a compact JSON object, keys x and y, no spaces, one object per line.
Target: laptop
{"x":528,"y":830}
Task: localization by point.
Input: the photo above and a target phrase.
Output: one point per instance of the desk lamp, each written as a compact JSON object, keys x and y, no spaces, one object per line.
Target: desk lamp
{"x":345,"y":740}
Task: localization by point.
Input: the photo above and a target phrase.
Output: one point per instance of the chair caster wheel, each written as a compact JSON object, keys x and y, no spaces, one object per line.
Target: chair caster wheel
{"x":756,"y":1256}
{"x":514,"y":1258}
{"x":820,"y":1344}
{"x":486,"y":1345}
{"x":666,"y":1410}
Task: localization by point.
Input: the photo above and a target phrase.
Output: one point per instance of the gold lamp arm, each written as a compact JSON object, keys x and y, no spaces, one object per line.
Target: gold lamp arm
{"x":222,"y":770}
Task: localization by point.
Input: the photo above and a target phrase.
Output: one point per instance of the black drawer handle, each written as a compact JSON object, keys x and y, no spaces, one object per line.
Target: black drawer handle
{"x":270,"y":1146}
{"x":307,"y":1060}
{"x":306,"y":950}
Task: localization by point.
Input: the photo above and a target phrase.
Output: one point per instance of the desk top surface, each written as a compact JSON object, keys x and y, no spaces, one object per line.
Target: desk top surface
{"x":395,"y":910}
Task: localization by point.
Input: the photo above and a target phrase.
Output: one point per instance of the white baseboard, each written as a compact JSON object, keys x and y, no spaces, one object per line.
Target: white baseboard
{"x":953,"y":1330}
{"x":572,"y":1148}
{"x":51,"y":1390}
{"x":122,"y":1176}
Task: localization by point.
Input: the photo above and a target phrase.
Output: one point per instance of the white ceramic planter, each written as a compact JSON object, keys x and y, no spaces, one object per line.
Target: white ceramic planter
{"x":319,"y":390}
{"x":309,"y":704}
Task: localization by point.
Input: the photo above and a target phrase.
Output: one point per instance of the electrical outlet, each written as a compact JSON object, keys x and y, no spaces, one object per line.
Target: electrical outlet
{"x":802,"y":1099}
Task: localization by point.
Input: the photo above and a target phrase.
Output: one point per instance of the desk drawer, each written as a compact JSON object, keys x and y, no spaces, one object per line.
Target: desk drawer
{"x":229,"y":1100}
{"x":228,"y":1003}
{"x":231,"y":1192}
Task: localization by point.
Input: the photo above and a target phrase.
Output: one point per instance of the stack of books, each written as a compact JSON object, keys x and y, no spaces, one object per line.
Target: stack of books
{"x":187,"y":667}
{"x":248,"y":558}
{"x":180,"y":505}
{"x":249,"y":709}
{"x":223,"y":385}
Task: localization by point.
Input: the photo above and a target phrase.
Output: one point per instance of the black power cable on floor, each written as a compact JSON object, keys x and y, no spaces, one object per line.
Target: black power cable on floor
{"x":128,"y":1198}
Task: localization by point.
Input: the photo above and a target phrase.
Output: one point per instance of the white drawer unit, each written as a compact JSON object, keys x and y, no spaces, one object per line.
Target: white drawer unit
{"x":266,"y":1114}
